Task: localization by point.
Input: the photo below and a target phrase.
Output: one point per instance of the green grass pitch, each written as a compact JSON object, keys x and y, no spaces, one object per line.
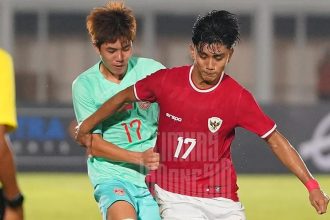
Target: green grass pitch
{"x":65,"y":196}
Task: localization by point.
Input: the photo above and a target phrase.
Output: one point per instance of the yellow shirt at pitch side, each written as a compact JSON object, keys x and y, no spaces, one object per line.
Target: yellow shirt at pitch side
{"x":7,"y":91}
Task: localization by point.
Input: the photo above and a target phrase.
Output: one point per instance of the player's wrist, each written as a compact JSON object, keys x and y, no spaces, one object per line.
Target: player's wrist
{"x":312,"y":184}
{"x":136,"y":157}
{"x":14,"y":202}
{"x":83,"y":129}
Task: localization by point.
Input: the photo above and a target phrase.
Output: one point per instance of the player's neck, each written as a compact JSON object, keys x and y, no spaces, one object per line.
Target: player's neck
{"x":108,"y":75}
{"x":203,"y":84}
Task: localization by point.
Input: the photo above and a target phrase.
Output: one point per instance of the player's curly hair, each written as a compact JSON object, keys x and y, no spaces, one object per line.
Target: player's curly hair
{"x":216,"y":27}
{"x":111,"y":22}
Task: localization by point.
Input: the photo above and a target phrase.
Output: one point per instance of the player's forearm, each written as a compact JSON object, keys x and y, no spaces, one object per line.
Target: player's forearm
{"x":107,"y":109}
{"x":292,"y":160}
{"x":102,"y":148}
{"x":289,"y":156}
{"x":7,"y":168}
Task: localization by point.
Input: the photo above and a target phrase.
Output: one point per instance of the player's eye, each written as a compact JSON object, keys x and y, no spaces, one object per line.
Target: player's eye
{"x":111,"y":50}
{"x":218,"y":57}
{"x":127,"y":48}
{"x":202,"y":56}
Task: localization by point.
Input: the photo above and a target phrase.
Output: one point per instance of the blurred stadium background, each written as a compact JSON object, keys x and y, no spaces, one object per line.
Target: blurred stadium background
{"x":283,"y":58}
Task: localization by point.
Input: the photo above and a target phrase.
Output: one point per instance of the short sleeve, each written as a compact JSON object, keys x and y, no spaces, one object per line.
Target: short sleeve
{"x":83,"y":102}
{"x":7,"y":89}
{"x":149,"y":88}
{"x":251,"y":117}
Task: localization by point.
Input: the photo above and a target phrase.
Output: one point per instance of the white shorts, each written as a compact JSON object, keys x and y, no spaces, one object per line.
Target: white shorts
{"x":175,"y":206}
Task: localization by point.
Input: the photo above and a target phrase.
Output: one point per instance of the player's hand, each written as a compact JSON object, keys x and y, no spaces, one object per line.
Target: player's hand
{"x":150,"y":159}
{"x":319,"y":200}
{"x":82,"y":138}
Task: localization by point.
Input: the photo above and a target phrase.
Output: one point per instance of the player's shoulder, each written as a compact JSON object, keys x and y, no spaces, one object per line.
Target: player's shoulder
{"x":183,"y":70}
{"x":136,"y":61}
{"x":178,"y":71}
{"x":230,"y":81}
{"x":142,"y":67}
{"x":139,"y":60}
{"x":233,"y":88}
{"x":4,"y":55}
{"x":173,"y":76}
{"x":88,"y":75}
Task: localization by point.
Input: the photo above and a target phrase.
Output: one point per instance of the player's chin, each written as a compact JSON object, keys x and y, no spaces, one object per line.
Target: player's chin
{"x":211,"y":80}
{"x":119,"y":74}
{"x":118,"y":70}
{"x":209,"y":77}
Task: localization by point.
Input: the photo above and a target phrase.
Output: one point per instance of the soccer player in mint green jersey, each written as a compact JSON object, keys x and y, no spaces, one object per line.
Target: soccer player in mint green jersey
{"x":122,"y":148}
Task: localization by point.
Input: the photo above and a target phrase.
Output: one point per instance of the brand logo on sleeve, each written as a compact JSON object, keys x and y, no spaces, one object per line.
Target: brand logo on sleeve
{"x":214,"y":124}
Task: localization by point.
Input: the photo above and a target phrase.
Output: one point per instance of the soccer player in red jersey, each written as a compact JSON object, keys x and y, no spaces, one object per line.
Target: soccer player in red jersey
{"x":200,"y":107}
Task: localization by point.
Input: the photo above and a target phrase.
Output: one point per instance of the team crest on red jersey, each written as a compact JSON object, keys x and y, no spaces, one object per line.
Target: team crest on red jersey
{"x":144,"y":105}
{"x":119,"y":191}
{"x":214,"y":124}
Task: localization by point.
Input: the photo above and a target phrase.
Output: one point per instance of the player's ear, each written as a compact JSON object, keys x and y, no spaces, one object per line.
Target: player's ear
{"x":230,"y":54}
{"x":97,"y":49}
{"x":192,"y":51}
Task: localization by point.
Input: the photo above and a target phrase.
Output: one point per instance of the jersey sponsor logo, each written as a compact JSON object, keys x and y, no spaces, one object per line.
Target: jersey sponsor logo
{"x":214,"y":124}
{"x":119,"y":191}
{"x":175,"y":118}
{"x":144,"y":105}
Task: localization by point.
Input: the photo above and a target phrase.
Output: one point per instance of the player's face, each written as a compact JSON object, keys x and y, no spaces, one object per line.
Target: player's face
{"x":209,"y":63}
{"x":115,"y":57}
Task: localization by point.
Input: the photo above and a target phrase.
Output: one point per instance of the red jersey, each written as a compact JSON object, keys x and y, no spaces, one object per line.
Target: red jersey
{"x":196,"y":129}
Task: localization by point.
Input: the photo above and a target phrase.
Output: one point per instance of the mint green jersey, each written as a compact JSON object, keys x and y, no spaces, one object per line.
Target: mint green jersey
{"x":133,"y":127}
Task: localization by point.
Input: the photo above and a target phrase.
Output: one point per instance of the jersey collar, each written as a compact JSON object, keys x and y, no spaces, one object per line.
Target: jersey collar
{"x":202,"y":90}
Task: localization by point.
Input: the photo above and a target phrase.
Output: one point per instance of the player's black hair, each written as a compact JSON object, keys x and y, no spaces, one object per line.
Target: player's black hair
{"x":214,"y":28}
